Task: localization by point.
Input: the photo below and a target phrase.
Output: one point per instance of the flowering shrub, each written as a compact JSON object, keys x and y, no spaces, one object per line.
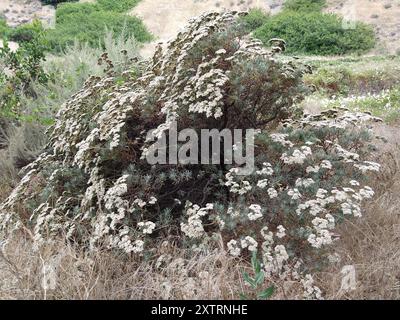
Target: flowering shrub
{"x":93,"y":184}
{"x":310,"y":177}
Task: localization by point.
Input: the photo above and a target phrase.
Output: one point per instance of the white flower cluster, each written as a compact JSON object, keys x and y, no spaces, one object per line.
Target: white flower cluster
{"x":310,"y":290}
{"x":298,"y":156}
{"x":281,"y":139}
{"x":281,"y":231}
{"x":272,"y":193}
{"x":368,"y":166}
{"x":193,"y":228}
{"x":266,"y":170}
{"x":249,"y":243}
{"x":147,"y":227}
{"x":294,"y":194}
{"x":240,"y":187}
{"x":124,"y":242}
{"x":255,"y":212}
{"x":233,"y":248}
{"x":322,"y":235}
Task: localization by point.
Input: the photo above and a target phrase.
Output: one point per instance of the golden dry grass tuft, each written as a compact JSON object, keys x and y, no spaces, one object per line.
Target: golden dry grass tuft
{"x":372,"y":243}
{"x":106,"y":275}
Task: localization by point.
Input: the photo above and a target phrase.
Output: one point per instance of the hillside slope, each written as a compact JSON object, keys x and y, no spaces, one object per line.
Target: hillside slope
{"x":165,"y":17}
{"x":384,"y":15}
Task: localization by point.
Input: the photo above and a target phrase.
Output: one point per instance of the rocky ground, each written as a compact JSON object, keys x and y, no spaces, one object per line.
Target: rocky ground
{"x":19,"y":12}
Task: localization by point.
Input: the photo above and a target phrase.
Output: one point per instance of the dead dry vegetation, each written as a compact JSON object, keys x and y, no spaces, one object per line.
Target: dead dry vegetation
{"x":372,"y":243}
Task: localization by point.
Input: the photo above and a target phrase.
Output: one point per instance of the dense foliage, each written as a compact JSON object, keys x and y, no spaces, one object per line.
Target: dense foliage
{"x":119,"y":6}
{"x":87,"y":22}
{"x":255,"y":19}
{"x":21,"y":68}
{"x":316,"y":33}
{"x":4,"y":28}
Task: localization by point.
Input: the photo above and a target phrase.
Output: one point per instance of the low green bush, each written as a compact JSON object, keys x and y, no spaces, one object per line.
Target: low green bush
{"x":385,"y":104}
{"x":70,"y":11}
{"x":118,"y":6}
{"x":26,"y":32}
{"x":255,"y":19}
{"x":354,"y":75}
{"x":18,"y":70}
{"x":86,"y":22}
{"x":4,"y":28}
{"x":316,"y":33}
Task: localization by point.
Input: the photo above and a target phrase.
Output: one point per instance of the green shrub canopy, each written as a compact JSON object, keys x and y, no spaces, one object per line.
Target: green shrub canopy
{"x":87,"y":22}
{"x":255,"y":19}
{"x":316,"y":33}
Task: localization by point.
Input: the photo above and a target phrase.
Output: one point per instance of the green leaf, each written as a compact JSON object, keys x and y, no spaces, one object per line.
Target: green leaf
{"x":267,"y":293}
{"x":242,"y":296}
{"x":249,"y":280}
{"x":255,"y":263}
{"x":259,"y":279}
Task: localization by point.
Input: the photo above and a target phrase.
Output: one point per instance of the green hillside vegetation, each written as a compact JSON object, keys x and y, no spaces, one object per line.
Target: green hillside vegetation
{"x":88,"y":22}
{"x":307,"y":30}
{"x":83,"y":22}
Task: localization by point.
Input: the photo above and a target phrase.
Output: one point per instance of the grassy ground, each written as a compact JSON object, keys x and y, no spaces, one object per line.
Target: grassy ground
{"x":368,"y":84}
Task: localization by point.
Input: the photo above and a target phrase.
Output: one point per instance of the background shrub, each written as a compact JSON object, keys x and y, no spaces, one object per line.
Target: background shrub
{"x":316,"y":33}
{"x":19,"y":70}
{"x":4,"y":28}
{"x":26,"y":32}
{"x":88,"y":23}
{"x":70,"y":11}
{"x":354,"y":75}
{"x":118,"y":6}
{"x":255,"y":19}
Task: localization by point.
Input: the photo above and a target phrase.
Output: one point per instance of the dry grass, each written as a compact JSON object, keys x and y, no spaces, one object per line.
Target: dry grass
{"x":372,"y":243}
{"x":106,"y":275}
